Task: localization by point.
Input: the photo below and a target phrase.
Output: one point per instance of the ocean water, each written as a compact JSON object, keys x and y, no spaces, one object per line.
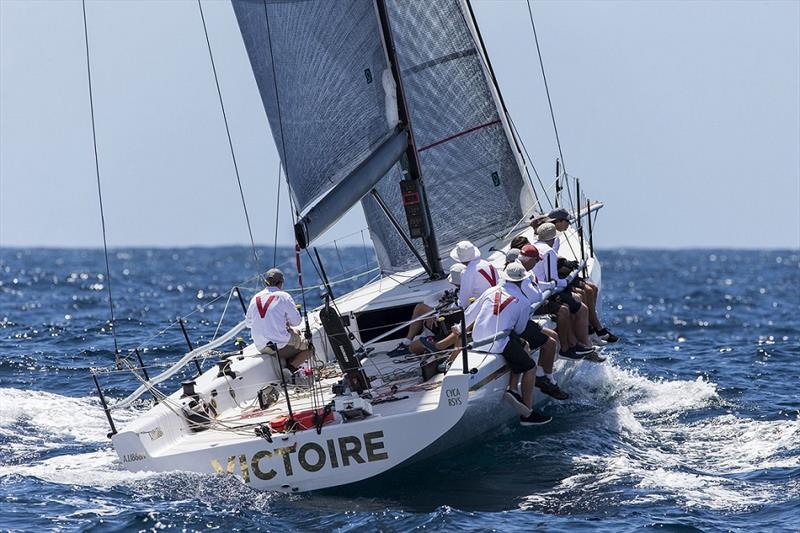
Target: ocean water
{"x":691,"y":425}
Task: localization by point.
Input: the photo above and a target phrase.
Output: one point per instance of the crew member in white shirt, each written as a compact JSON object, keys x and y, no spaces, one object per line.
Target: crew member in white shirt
{"x":538,"y":337}
{"x":478,"y":275}
{"x":547,"y":270}
{"x":505,"y":309}
{"x":272,"y":317}
{"x":587,"y":290}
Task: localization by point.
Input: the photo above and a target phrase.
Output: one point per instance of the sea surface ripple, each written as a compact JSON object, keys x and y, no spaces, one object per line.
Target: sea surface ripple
{"x":692,"y":425}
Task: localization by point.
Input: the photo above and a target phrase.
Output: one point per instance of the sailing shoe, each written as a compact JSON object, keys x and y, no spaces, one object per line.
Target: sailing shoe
{"x":513,"y":398}
{"x":570,"y":354}
{"x":400,"y":351}
{"x":607,"y":335}
{"x":597,"y":341}
{"x":534,"y":419}
{"x":580,"y":349}
{"x":550,"y":388}
{"x":594,"y":357}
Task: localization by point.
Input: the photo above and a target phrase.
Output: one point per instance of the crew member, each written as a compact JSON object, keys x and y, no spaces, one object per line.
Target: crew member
{"x":533,"y":289}
{"x":503,"y":311}
{"x":441,"y":334}
{"x":272,"y":317}
{"x":478,"y":276}
{"x":546,"y":270}
{"x":588,"y":291}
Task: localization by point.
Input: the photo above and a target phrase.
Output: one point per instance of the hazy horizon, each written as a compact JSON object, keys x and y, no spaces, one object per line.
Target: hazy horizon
{"x":268,"y":247}
{"x":684,"y":118}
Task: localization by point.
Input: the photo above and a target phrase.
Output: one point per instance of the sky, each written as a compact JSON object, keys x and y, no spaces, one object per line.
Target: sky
{"x":682,"y":117}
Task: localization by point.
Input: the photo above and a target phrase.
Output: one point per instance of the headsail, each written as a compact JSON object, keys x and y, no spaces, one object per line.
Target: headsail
{"x":472,"y":173}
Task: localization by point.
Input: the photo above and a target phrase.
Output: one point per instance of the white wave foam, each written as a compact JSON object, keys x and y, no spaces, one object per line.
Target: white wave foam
{"x":55,"y":416}
{"x":99,"y":469}
{"x":699,"y":464}
{"x":37,"y":422}
{"x":731,"y":445}
{"x":608,"y":382}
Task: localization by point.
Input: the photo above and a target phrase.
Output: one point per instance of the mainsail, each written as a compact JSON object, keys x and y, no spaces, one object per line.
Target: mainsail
{"x":320,"y":69}
{"x":328,"y":118}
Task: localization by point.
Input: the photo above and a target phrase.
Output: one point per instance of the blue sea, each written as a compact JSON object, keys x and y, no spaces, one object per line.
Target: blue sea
{"x":691,"y":425}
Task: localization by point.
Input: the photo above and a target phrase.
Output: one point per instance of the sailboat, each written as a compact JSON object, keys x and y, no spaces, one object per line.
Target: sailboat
{"x":392,"y":104}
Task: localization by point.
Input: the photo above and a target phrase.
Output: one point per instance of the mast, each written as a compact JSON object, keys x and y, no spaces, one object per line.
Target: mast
{"x":420,"y":223}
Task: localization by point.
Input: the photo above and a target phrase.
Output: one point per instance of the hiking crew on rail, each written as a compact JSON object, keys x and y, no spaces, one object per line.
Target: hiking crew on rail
{"x":499,"y":313}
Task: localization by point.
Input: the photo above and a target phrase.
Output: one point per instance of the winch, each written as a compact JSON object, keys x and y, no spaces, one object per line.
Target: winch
{"x":352,"y":407}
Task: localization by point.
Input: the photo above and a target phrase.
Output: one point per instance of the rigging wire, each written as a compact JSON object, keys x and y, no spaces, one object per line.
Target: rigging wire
{"x":546,"y":88}
{"x":230,"y":141}
{"x":99,"y":189}
{"x":530,"y":160}
{"x":277,"y":214}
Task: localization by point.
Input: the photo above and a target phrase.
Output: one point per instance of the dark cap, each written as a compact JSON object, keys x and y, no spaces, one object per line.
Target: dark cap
{"x":559,"y":214}
{"x":538,"y":220}
{"x":274,"y":276}
{"x":530,"y":250}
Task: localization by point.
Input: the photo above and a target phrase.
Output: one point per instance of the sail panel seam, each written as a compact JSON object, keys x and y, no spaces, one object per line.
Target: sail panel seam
{"x":459,"y":134}
{"x":439,"y":60}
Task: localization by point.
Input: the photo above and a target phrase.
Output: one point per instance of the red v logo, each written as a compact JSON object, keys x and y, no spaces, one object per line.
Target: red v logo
{"x":499,"y":305}
{"x":490,"y":276}
{"x":262,"y":309}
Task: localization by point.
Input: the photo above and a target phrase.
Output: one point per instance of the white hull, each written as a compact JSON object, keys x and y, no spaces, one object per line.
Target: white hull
{"x":419,"y":420}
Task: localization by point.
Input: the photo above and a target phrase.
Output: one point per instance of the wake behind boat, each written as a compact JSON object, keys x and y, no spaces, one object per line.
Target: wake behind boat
{"x":392,"y":104}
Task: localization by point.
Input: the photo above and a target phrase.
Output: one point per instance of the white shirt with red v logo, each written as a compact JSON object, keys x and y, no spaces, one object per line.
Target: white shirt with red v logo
{"x":479,"y":275}
{"x":501,"y":308}
{"x":269,"y":314}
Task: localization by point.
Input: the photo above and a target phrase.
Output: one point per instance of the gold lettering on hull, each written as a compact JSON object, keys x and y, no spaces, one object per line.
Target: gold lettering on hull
{"x":260,"y":474}
{"x":302,"y":457}
{"x":311,"y":457}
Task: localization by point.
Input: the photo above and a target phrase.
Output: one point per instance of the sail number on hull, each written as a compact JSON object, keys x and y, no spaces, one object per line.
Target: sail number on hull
{"x":311,"y":457}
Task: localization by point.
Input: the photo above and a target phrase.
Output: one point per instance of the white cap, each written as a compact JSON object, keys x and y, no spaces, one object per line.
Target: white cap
{"x":455,"y":273}
{"x":512,"y":255}
{"x":464,"y":252}
{"x":546,"y":231}
{"x":515,"y":272}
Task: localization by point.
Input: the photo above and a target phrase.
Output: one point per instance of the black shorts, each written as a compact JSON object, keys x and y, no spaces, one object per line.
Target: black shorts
{"x":534,"y":335}
{"x":515,"y":355}
{"x":566,"y":298}
{"x":550,"y":307}
{"x":576,"y":283}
